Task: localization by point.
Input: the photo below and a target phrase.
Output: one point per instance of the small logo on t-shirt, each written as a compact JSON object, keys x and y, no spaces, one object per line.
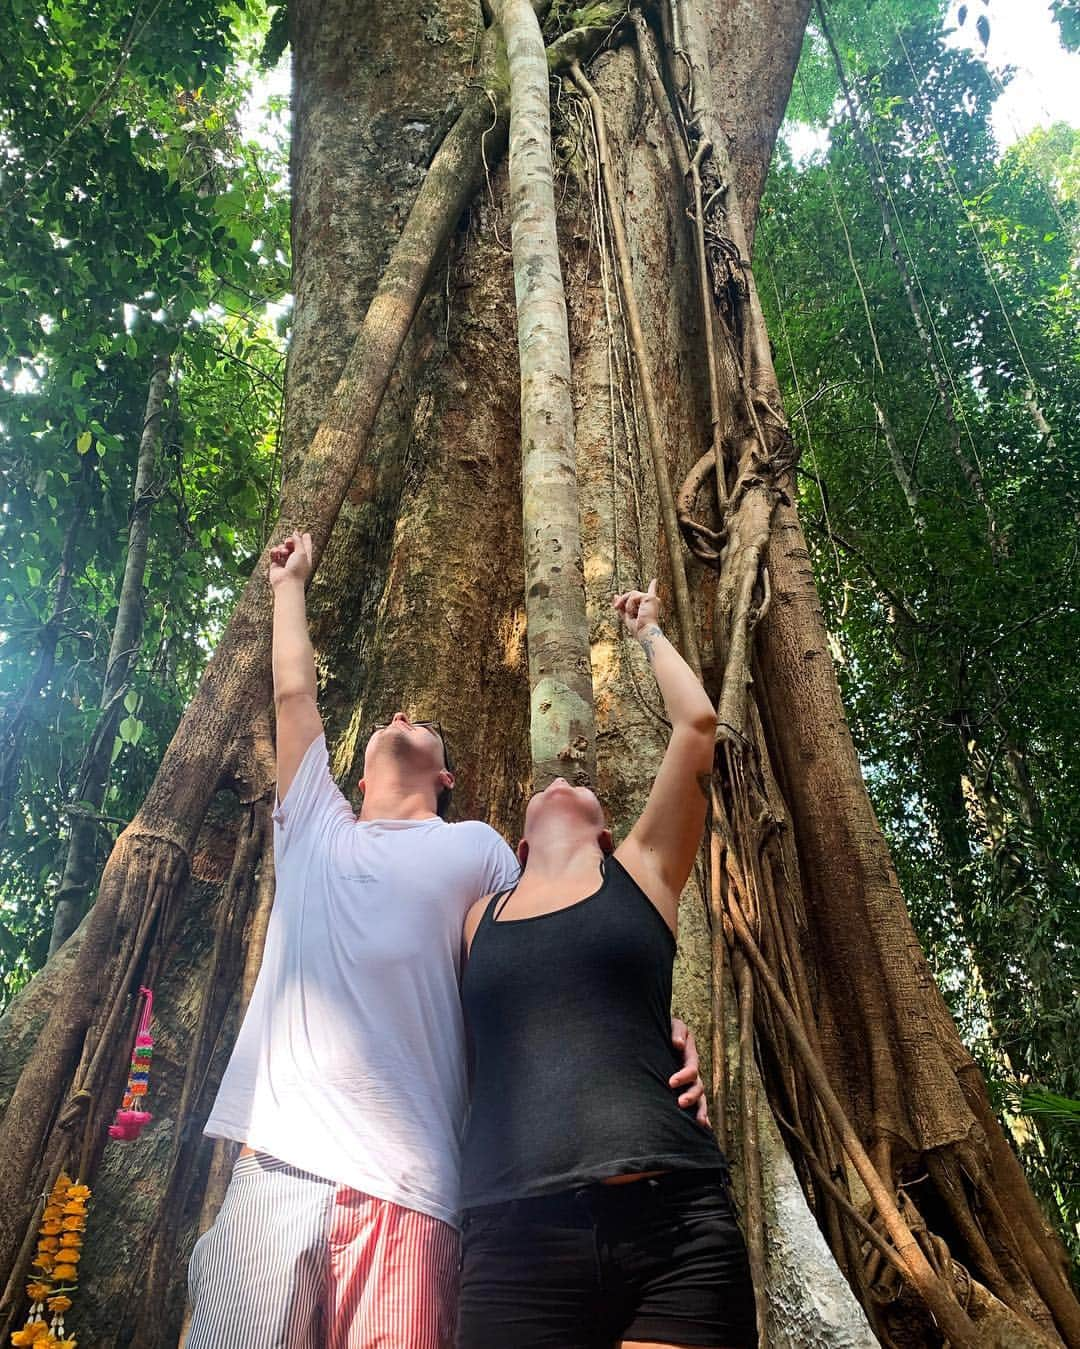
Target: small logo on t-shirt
{"x":361,"y":877}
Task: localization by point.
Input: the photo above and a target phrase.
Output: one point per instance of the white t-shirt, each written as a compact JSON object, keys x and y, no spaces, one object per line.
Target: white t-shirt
{"x":350,"y":1062}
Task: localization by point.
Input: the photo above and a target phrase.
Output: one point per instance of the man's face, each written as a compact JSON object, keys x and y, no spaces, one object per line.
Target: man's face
{"x":412,"y":745}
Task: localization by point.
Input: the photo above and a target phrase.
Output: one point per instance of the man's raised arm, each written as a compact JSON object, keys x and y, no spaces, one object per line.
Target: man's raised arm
{"x":298,"y":720}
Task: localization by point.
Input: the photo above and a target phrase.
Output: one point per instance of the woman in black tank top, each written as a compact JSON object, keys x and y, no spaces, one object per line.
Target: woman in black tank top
{"x":597,"y":1211}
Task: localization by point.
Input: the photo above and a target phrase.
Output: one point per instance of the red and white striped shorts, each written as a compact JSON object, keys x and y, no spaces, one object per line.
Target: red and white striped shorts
{"x":299,"y":1262}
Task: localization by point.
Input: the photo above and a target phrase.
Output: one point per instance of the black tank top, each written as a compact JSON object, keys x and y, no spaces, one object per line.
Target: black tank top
{"x":569,"y":1021}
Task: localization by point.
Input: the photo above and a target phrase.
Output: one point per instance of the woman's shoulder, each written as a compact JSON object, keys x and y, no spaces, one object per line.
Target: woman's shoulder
{"x":644,"y":875}
{"x":473,"y":918}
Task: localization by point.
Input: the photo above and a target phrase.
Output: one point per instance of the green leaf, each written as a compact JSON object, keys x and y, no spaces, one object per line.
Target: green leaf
{"x":1049,"y":1103}
{"x":84,"y":442}
{"x":131,"y":700}
{"x":131,"y":729}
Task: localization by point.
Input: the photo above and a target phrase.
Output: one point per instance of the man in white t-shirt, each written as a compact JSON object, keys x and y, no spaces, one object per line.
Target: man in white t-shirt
{"x":347,"y":1085}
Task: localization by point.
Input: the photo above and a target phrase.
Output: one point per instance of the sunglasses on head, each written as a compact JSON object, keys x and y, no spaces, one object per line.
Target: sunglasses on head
{"x":432,"y":726}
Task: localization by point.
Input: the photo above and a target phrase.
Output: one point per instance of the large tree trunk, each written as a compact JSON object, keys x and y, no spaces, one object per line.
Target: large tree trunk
{"x":419,"y":603}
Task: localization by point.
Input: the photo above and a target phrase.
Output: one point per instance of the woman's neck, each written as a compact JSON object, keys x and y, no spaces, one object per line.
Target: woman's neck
{"x":560,"y":856}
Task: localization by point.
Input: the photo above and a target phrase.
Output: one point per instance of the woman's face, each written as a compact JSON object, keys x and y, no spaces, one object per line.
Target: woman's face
{"x":574,"y":809}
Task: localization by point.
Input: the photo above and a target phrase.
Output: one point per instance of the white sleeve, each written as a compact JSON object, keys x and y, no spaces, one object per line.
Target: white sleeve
{"x":503,"y":868}
{"x":313,"y":798}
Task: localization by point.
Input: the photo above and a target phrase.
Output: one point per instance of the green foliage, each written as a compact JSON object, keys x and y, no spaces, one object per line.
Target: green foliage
{"x":1061,"y":1109}
{"x":865,"y":35}
{"x":135,"y":222}
{"x":277,"y":37}
{"x":565,"y":15}
{"x":957,"y":659}
{"x":1067,"y":14}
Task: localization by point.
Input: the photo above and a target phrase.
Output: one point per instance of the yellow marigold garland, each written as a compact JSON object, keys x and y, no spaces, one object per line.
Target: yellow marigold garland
{"x":56,"y":1264}
{"x":63,"y":1222}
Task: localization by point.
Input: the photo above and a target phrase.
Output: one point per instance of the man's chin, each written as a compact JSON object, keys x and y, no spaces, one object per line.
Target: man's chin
{"x":399,"y":747}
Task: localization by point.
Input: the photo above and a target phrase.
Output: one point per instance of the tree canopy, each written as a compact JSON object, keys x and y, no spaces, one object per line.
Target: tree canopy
{"x":139,"y":224}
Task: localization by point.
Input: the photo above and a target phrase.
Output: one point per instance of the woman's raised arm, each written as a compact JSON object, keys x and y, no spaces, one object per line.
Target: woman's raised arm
{"x":660,"y":849}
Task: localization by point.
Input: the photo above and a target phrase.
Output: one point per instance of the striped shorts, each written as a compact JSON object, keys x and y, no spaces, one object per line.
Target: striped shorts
{"x":299,"y":1262}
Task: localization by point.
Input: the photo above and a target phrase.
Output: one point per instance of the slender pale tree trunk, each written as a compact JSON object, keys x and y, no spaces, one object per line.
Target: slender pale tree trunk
{"x":562,"y":724}
{"x":80,"y":870}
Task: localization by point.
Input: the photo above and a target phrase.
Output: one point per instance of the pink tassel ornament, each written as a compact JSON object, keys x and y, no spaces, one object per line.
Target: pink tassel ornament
{"x":131,"y":1119}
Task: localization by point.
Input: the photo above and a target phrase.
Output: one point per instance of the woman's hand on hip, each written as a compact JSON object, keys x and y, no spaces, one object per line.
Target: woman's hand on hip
{"x":689,"y":1075}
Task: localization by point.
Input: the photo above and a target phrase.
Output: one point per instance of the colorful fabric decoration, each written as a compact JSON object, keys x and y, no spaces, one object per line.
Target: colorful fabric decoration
{"x":131,"y":1118}
{"x":59,"y":1250}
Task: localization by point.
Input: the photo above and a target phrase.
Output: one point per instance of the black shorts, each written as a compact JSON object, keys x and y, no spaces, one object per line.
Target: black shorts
{"x":660,"y":1259}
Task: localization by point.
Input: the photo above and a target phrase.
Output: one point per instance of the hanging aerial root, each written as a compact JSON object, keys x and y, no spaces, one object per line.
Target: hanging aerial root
{"x":708,"y":315}
{"x":224,"y":1152}
{"x":647,"y":57}
{"x":719,"y":967}
{"x":218,"y":988}
{"x":757,"y":470}
{"x":732,"y":869}
{"x":683,"y":607}
{"x":866,"y":1229}
{"x":751,"y":1148}
{"x":706,"y":544}
{"x":741,"y":590}
{"x":920,"y":1273}
{"x":701,"y":544}
{"x":690,"y":169}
